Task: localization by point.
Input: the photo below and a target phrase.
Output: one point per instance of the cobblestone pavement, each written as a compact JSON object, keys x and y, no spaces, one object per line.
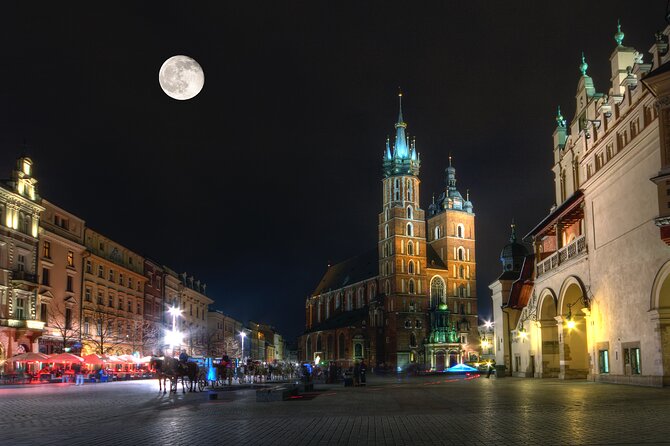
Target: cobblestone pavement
{"x":416,"y":411}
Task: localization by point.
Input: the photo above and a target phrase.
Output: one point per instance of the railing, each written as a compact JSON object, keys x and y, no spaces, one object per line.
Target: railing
{"x":574,"y":249}
{"x":23,"y":276}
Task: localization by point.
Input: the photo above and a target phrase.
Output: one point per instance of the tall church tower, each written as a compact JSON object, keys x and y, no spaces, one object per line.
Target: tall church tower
{"x":402,"y":243}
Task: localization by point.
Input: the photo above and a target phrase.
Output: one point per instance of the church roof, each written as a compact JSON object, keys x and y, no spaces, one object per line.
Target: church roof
{"x":353,"y":270}
{"x":523,"y":287}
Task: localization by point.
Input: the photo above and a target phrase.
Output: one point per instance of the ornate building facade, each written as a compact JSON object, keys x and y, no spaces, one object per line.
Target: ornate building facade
{"x":61,"y":249}
{"x":20,"y":208}
{"x":592,"y":301}
{"x":113,"y":304}
{"x":412,"y":300}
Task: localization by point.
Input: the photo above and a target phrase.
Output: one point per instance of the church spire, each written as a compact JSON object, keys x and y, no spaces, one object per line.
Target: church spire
{"x":618,"y":37}
{"x":401,"y":147}
{"x":401,"y":158}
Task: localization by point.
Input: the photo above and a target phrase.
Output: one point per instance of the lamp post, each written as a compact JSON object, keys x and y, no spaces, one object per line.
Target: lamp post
{"x":174,"y":337}
{"x":242,"y":336}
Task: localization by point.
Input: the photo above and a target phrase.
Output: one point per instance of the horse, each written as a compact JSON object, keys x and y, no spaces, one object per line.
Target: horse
{"x":174,"y":369}
{"x":158,"y":363}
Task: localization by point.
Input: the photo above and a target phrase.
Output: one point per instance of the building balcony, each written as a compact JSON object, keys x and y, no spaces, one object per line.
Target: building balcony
{"x":30,"y":324}
{"x":24,"y":278}
{"x":574,"y":249}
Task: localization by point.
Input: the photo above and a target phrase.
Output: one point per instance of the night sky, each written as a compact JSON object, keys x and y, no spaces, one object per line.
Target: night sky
{"x":274,"y":169}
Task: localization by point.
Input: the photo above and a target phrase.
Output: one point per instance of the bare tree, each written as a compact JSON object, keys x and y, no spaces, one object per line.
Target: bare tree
{"x":232,"y":347}
{"x":214,"y":343}
{"x":102,"y":336}
{"x":150,"y":337}
{"x":64,"y":325}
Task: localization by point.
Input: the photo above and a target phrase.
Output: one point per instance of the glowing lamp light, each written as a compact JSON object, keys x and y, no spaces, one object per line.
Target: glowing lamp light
{"x":485,"y":344}
{"x":571,"y":324}
{"x":174,"y":337}
{"x":488,"y":324}
{"x":523,"y":334}
{"x":174,"y":311}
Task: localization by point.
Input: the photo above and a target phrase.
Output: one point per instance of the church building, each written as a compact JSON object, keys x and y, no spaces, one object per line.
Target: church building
{"x":411,"y":302}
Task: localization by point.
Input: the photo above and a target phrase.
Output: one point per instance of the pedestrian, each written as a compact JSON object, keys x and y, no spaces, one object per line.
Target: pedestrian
{"x":363,"y":369}
{"x":357,"y":374}
{"x":490,"y":369}
{"x":79,"y":381}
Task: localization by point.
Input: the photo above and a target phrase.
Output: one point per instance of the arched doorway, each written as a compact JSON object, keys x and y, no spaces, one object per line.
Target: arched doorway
{"x":439,"y":361}
{"x":573,"y":349}
{"x":453,"y":358}
{"x":661,"y":303}
{"x":550,"y":359}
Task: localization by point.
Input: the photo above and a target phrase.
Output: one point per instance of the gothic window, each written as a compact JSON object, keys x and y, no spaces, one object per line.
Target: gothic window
{"x":461,"y":253}
{"x":461,"y":271}
{"x":411,"y":286}
{"x":410,"y":267}
{"x":409,"y":229}
{"x":410,"y":248}
{"x":437,"y":291}
{"x":358,"y":350}
{"x":460,"y":231}
{"x":409,"y":190}
{"x":396,"y":189}
{"x":436,"y":232}
{"x":361,"y":298}
{"x":340,"y":346}
{"x":409,"y":212}
{"x":371,"y":291}
{"x":349,"y":301}
{"x":386,"y":231}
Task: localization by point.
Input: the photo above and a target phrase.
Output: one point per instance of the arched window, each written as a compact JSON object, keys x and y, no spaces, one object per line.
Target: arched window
{"x":386,"y":231}
{"x":318,"y":343}
{"x":409,"y":212}
{"x":371,"y":291}
{"x":387,"y":213}
{"x":411,"y":286}
{"x":360,"y":302}
{"x":461,"y":253}
{"x":412,"y":340}
{"x":460,"y":271}
{"x":340,"y":346}
{"x":409,"y":189}
{"x":410,"y":248}
{"x":409,"y":229}
{"x":349,"y":301}
{"x":308,"y":348}
{"x":410,"y":267}
{"x":460,"y":231}
{"x":437,"y":291}
{"x":436,"y":232}
{"x":338,"y":300}
{"x":387,"y":288}
{"x":396,"y":190}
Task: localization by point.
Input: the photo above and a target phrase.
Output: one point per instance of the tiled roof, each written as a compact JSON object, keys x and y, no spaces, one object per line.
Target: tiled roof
{"x":353,"y":270}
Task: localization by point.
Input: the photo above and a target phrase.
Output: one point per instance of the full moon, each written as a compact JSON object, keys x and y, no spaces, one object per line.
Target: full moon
{"x":181,"y":77}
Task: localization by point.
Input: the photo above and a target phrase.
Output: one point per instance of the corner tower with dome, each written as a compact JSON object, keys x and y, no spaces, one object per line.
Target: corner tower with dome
{"x":411,"y":302}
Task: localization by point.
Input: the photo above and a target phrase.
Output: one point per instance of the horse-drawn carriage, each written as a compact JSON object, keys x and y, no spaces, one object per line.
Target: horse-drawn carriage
{"x":169,"y":368}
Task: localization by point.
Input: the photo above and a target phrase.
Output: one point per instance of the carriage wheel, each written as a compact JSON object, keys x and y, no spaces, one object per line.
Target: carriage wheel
{"x":202,"y":382}
{"x":173,"y":384}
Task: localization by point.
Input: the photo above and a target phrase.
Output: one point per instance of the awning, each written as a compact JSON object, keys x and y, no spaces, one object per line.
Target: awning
{"x":29,"y":357}
{"x":65,"y":358}
{"x":569,"y":212}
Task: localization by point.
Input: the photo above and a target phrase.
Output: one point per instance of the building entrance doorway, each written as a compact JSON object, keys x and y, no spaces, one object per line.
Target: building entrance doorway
{"x":662,"y":304}
{"x":549,"y":366}
{"x":439,"y":361}
{"x":574,"y":357}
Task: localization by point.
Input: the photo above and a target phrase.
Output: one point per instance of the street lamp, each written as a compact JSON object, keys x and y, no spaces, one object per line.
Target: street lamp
{"x":174,"y":337}
{"x":242,"y":336}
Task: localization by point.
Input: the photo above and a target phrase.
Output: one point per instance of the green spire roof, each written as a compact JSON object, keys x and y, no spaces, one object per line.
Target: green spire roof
{"x":583,"y":66}
{"x":618,"y":37}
